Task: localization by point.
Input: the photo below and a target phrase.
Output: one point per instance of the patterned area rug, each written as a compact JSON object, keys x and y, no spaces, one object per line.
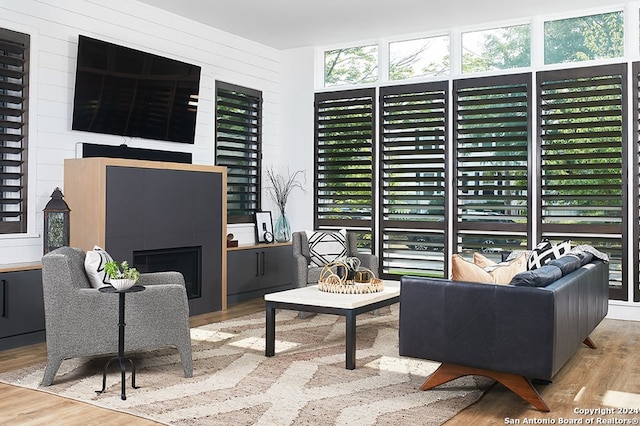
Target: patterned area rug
{"x":305,"y":383}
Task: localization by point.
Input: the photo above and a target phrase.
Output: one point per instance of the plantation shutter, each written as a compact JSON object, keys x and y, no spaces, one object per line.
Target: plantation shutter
{"x":582,"y":146}
{"x":344,"y":141}
{"x":14,"y":83}
{"x":413,"y":132}
{"x":492,"y":139}
{"x":239,"y":148}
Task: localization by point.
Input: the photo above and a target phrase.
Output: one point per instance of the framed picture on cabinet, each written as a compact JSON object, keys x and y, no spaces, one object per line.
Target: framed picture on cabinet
{"x":264,"y":227}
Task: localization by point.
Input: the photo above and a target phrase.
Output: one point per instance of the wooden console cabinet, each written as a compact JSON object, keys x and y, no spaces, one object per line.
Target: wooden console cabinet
{"x":21,"y":305}
{"x":254,"y":271}
{"x":133,"y":206}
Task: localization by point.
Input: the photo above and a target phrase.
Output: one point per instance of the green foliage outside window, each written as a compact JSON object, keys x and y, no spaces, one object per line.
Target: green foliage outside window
{"x":355,"y":65}
{"x":500,"y":48}
{"x":584,"y":38}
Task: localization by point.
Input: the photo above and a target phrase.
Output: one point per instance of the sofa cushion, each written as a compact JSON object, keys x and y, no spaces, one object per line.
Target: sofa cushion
{"x":325,"y":246}
{"x":539,"y":277}
{"x":94,"y":262}
{"x":567,"y":263}
{"x":545,"y":252}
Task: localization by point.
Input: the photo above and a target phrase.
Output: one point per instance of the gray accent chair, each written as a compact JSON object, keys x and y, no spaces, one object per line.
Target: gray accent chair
{"x":305,"y":275}
{"x":80,"y":321}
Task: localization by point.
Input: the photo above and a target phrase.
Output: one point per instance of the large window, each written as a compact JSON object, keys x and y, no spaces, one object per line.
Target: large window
{"x":492,"y":139}
{"x":239,"y":148}
{"x":344,"y":142}
{"x":14,"y":84}
{"x":581,"y":115}
{"x":413,"y":143}
{"x":501,"y":161}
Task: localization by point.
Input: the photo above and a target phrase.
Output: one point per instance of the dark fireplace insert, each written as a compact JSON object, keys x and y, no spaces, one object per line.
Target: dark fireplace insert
{"x":187,"y":260}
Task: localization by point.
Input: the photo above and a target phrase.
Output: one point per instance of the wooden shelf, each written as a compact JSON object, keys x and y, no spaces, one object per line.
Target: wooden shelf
{"x":15,"y":267}
{"x":257,"y":246}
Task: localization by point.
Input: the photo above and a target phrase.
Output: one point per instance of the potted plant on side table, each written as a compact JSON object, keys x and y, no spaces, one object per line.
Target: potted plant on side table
{"x":122,"y":277}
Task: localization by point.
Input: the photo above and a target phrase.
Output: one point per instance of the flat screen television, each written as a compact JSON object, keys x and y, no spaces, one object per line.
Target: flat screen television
{"x":127,"y":92}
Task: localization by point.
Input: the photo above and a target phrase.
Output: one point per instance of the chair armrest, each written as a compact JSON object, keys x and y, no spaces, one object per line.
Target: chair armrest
{"x":161,"y":278}
{"x":300,"y":272}
{"x":369,"y":261}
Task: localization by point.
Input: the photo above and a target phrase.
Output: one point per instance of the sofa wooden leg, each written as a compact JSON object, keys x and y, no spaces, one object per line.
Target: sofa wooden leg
{"x":589,"y":343}
{"x":520,"y":385}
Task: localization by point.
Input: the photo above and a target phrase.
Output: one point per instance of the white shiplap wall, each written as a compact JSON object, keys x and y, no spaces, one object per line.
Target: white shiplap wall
{"x":54,"y":26}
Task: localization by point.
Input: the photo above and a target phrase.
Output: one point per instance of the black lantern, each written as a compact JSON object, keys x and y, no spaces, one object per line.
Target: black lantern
{"x":56,"y":222}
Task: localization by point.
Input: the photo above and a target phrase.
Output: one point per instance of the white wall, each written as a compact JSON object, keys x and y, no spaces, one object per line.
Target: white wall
{"x":296,"y":132}
{"x":54,"y":26}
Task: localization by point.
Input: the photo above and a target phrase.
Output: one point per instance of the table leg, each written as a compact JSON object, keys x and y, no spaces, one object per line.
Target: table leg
{"x":123,"y":364}
{"x":350,"y":321}
{"x":270,"y":337}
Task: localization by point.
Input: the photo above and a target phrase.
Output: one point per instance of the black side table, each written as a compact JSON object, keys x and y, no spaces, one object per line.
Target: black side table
{"x":121,"y":358}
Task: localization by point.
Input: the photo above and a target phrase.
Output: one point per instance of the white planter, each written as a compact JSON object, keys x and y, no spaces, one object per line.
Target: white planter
{"x":122,"y":284}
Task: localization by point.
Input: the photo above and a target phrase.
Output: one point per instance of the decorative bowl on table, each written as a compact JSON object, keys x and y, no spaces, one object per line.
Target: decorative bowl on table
{"x":122,"y":283}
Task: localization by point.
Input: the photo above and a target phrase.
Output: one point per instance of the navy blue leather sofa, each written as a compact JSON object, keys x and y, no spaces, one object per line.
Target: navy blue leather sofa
{"x":511,"y":334}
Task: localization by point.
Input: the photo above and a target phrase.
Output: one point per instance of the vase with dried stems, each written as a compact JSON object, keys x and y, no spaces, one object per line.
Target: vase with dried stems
{"x":279,"y":190}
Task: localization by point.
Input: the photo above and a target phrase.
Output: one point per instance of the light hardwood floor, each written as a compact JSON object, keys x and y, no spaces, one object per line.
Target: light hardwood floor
{"x":592,"y":379}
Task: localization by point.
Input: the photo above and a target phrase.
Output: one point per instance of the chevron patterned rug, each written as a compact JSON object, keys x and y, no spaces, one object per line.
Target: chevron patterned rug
{"x":305,"y":383}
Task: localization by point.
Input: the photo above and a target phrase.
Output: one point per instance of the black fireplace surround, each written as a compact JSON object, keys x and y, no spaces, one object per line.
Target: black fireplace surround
{"x":168,"y":220}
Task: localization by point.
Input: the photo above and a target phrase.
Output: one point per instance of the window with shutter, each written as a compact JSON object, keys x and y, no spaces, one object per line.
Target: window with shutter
{"x":14,"y":84}
{"x":582,"y":115}
{"x":491,"y":142}
{"x":239,"y":148}
{"x":344,"y":141}
{"x":413,"y":133}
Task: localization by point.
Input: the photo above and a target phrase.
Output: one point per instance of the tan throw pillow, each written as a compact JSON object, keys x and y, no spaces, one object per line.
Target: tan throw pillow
{"x":482,"y":261}
{"x":498,"y":273}
{"x":463,"y":270}
{"x":503,"y":272}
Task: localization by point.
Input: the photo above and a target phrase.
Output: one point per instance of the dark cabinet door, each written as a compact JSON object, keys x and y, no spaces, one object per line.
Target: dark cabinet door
{"x":254,"y":272}
{"x":245,"y":269}
{"x":21,"y":303}
{"x":278,"y":266}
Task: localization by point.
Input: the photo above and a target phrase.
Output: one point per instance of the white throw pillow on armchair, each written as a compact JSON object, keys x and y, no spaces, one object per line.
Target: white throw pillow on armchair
{"x":94,"y":262}
{"x":326,"y":246}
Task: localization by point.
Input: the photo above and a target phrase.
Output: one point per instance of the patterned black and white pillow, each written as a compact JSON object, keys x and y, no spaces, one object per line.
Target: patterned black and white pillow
{"x":545,"y":252}
{"x":325,"y":247}
{"x":94,"y":266}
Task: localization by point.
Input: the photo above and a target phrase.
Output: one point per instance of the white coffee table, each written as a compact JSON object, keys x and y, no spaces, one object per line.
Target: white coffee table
{"x":310,"y":299}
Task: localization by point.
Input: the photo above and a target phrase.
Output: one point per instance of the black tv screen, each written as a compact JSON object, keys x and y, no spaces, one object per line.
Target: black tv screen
{"x":126,"y":92}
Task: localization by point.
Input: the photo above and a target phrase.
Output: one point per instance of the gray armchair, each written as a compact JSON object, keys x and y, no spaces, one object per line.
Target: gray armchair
{"x":305,"y":275}
{"x":80,"y":321}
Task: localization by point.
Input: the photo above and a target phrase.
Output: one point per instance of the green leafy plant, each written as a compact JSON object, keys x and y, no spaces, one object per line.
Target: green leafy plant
{"x":121,"y":272}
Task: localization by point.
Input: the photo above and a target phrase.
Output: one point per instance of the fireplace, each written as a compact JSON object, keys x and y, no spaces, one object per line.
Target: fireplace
{"x":187,"y":260}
